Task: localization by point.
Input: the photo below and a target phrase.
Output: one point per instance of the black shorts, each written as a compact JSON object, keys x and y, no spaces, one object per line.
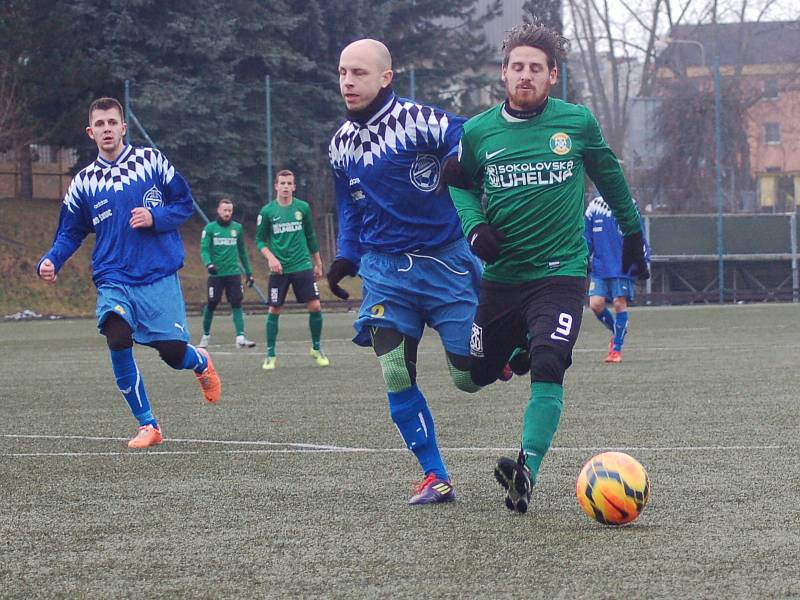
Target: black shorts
{"x":231,"y":285}
{"x":546,"y":312}
{"x":303,"y":284}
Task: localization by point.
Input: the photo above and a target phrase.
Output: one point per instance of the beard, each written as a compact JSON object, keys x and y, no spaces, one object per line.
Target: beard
{"x":526,"y":99}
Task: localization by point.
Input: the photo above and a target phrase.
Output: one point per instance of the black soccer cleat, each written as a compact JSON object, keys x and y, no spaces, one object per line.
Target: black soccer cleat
{"x":515,"y":478}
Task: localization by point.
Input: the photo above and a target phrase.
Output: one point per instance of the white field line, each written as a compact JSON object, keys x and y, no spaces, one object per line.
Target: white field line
{"x":300,"y":448}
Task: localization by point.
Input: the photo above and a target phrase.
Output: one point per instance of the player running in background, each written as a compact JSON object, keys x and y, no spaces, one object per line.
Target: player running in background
{"x":528,"y":155}
{"x":134,"y":201}
{"x":608,"y":282}
{"x":402,"y":236}
{"x":222,"y":247}
{"x":285,"y":236}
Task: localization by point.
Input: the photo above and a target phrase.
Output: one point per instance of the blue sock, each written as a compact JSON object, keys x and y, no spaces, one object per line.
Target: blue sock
{"x":414,"y":421}
{"x":194,"y":360}
{"x":606,"y":318}
{"x":131,"y":384}
{"x":620,"y":329}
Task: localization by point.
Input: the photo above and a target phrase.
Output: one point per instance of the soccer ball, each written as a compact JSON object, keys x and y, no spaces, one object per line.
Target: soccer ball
{"x":613,"y":488}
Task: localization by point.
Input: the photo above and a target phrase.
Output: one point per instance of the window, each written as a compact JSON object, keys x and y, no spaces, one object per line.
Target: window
{"x":771,"y":89}
{"x":772,"y":133}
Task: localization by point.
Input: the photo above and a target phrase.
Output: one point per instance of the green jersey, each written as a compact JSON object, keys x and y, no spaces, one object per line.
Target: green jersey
{"x":223,"y":246}
{"x":532,"y":175}
{"x":288,"y":232}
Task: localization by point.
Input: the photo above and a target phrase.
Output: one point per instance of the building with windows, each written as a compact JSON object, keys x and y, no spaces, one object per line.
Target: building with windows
{"x":765,"y":57}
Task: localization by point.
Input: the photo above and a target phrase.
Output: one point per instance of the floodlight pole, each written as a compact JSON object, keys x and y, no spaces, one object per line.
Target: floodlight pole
{"x":127,"y":108}
{"x":268,"y":87}
{"x":718,"y":179}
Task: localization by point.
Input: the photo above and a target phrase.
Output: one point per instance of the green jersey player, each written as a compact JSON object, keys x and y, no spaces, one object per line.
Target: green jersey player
{"x":286,"y":238}
{"x":221,"y":248}
{"x":528,"y":157}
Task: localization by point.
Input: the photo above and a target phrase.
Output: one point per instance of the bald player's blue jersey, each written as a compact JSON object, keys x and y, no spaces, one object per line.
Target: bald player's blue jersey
{"x":100,"y":200}
{"x":386,"y":173}
{"x":604,"y":238}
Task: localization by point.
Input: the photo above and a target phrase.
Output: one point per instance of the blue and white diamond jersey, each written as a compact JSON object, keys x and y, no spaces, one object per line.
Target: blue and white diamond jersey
{"x":386,"y":173}
{"x":604,"y":238}
{"x":100,"y":200}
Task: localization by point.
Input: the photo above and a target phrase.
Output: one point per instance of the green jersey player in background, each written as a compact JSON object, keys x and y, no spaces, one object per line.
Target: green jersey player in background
{"x":286,"y":238}
{"x":221,"y":248}
{"x":529,"y":156}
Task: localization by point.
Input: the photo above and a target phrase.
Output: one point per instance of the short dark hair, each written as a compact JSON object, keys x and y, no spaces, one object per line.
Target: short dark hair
{"x":225,"y":200}
{"x":106,"y":103}
{"x":536,"y":35}
{"x":284,"y":173}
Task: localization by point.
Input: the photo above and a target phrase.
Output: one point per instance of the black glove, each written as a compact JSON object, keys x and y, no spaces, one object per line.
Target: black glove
{"x":251,"y":281}
{"x":485,"y":242}
{"x":452,"y":174}
{"x":633,"y":261}
{"x":340,"y":269}
{"x":212,"y":270}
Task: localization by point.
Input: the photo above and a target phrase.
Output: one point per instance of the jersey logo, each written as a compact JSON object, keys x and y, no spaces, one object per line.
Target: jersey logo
{"x":234,"y":233}
{"x":560,"y":143}
{"x":425,"y":172}
{"x":152,"y":198}
{"x":491,"y":155}
{"x":476,"y":340}
{"x":377,"y":311}
{"x":298,"y":215}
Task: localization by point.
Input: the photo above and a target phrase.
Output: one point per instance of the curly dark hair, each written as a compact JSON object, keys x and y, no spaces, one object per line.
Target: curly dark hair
{"x":536,"y":35}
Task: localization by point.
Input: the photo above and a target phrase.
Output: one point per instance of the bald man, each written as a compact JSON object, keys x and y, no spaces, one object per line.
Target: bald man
{"x":399,"y":231}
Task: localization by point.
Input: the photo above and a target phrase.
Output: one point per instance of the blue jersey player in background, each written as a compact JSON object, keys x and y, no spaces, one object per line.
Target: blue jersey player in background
{"x":608,"y":283}
{"x":133,"y":201}
{"x":403,"y":237}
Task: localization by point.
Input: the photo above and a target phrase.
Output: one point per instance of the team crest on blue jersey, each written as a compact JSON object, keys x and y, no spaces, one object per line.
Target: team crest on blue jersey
{"x":153,"y":198}
{"x":560,"y":143}
{"x":425,"y":172}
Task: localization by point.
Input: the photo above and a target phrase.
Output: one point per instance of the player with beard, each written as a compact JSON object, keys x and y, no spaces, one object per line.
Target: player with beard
{"x":222,"y":247}
{"x":529,"y":155}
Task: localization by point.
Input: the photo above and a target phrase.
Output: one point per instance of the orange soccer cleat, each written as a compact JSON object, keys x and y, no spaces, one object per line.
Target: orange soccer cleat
{"x":147,"y":436}
{"x":210,"y":382}
{"x":614,"y":356}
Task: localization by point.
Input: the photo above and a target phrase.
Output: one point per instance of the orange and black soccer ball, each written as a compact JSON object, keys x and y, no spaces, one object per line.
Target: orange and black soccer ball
{"x":613,"y":488}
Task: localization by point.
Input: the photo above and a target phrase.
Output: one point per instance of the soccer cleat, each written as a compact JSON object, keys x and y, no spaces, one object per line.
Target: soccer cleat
{"x":515,"y":477}
{"x":614,"y":356}
{"x":269,"y":363}
{"x":319,"y":357}
{"x":146,"y":437}
{"x":243,"y":342}
{"x":210,"y":382}
{"x":506,"y":374}
{"x":433,"y":490}
{"x":204,"y":341}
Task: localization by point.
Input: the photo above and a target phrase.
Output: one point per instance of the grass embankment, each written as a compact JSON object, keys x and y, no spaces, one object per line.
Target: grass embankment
{"x":26,"y":232}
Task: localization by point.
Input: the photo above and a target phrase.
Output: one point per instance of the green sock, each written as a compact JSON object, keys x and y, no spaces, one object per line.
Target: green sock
{"x":238,"y":320}
{"x":208,"y":315}
{"x":315,"y":324}
{"x":541,"y":421}
{"x":272,"y":333}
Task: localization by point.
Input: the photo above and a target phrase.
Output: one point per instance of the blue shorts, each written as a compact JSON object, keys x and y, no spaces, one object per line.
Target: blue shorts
{"x":407,"y":291}
{"x":612,"y":287}
{"x":154,"y":311}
